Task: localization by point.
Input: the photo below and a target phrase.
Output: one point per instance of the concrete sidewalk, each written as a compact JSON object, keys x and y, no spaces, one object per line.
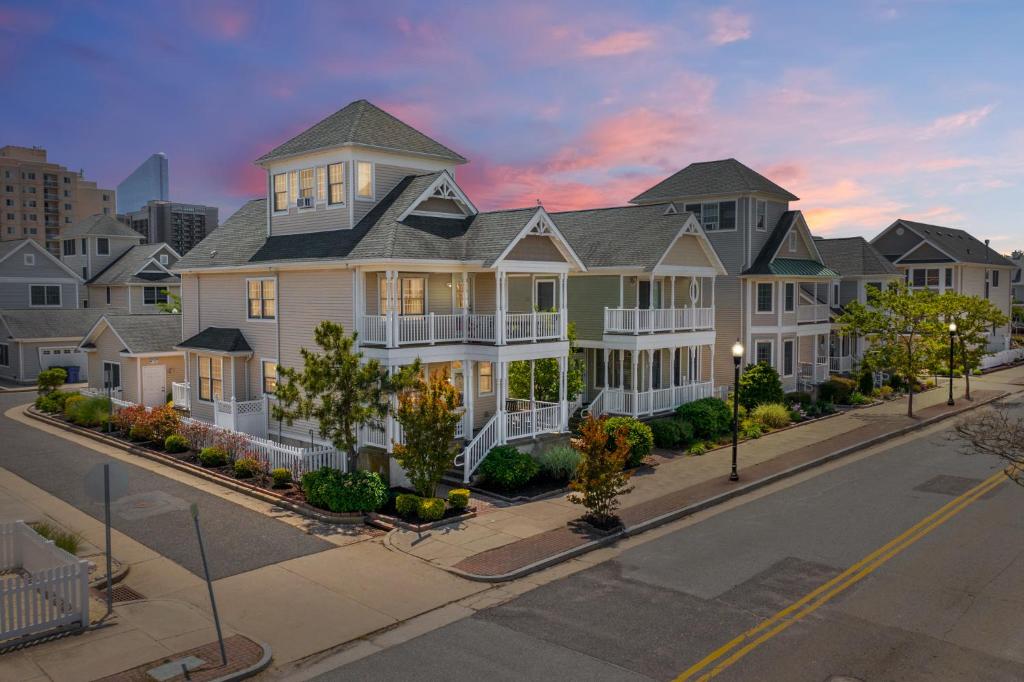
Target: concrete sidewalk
{"x":508,"y":541}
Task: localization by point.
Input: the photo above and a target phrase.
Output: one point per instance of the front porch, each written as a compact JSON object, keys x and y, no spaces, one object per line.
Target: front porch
{"x":652,"y":305}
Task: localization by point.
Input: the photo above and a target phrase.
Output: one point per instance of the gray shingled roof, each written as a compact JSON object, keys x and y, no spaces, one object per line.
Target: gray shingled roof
{"x":122,"y":270}
{"x":362,"y":123}
{"x":7,"y":247}
{"x":623,"y":236}
{"x":99,"y":225}
{"x":233,"y":243}
{"x":147,"y":333}
{"x":49,"y":324}
{"x":220,"y":339}
{"x":959,"y":244}
{"x":853,"y":256}
{"x":705,"y":178}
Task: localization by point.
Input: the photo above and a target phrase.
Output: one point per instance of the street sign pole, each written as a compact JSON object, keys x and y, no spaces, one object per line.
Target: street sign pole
{"x":209,"y":585}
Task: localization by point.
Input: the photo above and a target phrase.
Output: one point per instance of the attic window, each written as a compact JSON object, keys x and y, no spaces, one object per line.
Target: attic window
{"x":792,"y":242}
{"x":30,"y":259}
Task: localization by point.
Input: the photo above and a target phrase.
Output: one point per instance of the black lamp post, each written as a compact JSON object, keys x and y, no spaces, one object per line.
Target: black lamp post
{"x":952,"y":333}
{"x":737,"y":356}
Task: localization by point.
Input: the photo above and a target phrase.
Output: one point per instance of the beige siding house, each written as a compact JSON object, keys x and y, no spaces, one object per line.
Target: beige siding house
{"x":132,"y":357}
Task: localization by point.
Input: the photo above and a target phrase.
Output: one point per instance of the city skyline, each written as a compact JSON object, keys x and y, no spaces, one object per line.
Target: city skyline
{"x":852,"y":108}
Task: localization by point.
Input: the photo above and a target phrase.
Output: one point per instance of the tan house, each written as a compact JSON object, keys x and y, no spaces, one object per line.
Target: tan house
{"x":940,"y":258}
{"x":133,"y":357}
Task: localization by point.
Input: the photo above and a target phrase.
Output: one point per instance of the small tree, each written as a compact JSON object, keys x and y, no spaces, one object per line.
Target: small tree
{"x":173,"y":304}
{"x":336,"y":388}
{"x":901,"y":325}
{"x":545,"y":375}
{"x":760,"y":384}
{"x":600,"y":478}
{"x":49,"y":380}
{"x":427,"y":414}
{"x":974,"y":317}
{"x":994,"y":432}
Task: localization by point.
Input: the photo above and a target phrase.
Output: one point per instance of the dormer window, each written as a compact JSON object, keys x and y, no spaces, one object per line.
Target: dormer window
{"x":364,"y":180}
{"x":336,"y":184}
{"x":281,"y":192}
{"x":163,"y":259}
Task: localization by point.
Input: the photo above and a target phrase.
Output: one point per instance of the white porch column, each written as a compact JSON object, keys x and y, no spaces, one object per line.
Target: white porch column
{"x":469,"y":396}
{"x":563,"y":308}
{"x":500,"y":304}
{"x":465,"y":306}
{"x":391,"y":296}
{"x":607,"y":371}
{"x":533,"y":401}
{"x":563,"y":393}
{"x":634,"y":365}
{"x":501,"y":394}
{"x":672,"y":301}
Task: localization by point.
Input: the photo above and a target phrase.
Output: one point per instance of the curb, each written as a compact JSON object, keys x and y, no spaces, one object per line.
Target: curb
{"x":198,"y":472}
{"x":257,"y":667}
{"x":709,"y":502}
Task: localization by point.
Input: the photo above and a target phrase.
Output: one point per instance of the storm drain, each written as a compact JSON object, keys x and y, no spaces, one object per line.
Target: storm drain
{"x":948,"y":485}
{"x":119,"y":593}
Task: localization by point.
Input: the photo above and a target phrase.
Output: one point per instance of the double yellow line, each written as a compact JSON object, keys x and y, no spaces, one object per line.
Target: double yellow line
{"x":728,"y":654}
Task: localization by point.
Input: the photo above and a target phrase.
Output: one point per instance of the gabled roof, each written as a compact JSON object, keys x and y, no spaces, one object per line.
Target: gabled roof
{"x":958,"y":244}
{"x":707,"y":178}
{"x":361,"y":123}
{"x":140,"y":333}
{"x":853,"y":256}
{"x":233,"y":243}
{"x":125,"y":269}
{"x":622,"y":236}
{"x":767,"y":262}
{"x":58,"y":323}
{"x":99,"y":225}
{"x":8,"y":249}
{"x":219,"y":340}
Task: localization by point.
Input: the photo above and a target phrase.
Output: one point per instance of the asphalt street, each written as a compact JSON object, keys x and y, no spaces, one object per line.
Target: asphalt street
{"x":154,"y":510}
{"x":947,"y":602}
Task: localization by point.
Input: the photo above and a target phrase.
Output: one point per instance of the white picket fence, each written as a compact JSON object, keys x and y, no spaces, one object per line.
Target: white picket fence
{"x":42,"y":587}
{"x":1003,"y":357}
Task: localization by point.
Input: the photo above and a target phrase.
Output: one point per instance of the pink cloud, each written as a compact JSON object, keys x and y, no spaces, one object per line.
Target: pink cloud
{"x":618,"y":44}
{"x":728,"y":26}
{"x":223,"y":21}
{"x":946,"y":125}
{"x":21,"y":20}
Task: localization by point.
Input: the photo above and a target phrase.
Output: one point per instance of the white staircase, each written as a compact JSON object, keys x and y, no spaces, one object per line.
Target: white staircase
{"x":488,"y":437}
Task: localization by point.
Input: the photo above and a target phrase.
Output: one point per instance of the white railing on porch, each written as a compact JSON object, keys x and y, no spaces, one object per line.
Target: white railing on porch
{"x":812,"y":312}
{"x":434,"y":328}
{"x":596,"y":407}
{"x":180,"y":395}
{"x":523,"y":420}
{"x":840,"y":365}
{"x":532,"y":326}
{"x":249,"y":416}
{"x":640,"y":403}
{"x":651,"y":320}
{"x":374,"y":433}
{"x":488,"y":437}
{"x":42,"y":586}
{"x":810,"y":373}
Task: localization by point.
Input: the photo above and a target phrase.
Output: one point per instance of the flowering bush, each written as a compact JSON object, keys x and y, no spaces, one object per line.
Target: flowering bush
{"x":197,"y":433}
{"x":127,"y":417}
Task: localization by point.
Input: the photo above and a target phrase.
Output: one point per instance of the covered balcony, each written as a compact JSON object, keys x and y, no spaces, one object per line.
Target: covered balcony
{"x":662,"y":305}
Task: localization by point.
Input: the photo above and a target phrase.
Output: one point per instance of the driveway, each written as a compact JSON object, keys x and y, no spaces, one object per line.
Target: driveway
{"x":154,"y":510}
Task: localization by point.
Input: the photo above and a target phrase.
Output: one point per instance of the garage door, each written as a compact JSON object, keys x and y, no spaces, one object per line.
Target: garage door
{"x":64,"y":356}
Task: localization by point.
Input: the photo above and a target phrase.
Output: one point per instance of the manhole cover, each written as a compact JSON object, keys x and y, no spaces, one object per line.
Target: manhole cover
{"x":948,"y":485}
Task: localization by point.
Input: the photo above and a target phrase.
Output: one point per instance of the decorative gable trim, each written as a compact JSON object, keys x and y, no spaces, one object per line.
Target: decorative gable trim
{"x":541,"y":224}
{"x":154,"y":262}
{"x":443,"y":187}
{"x":692,"y":227}
{"x":800,"y":225}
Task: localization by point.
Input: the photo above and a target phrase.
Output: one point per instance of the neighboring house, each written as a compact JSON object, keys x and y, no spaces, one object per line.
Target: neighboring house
{"x":137,"y":281}
{"x":92,"y":244}
{"x":860,"y":267}
{"x":32,"y":277}
{"x":133,"y":356}
{"x":940,"y":258}
{"x":34,"y":340}
{"x":1016,"y":283}
{"x":775,"y":297}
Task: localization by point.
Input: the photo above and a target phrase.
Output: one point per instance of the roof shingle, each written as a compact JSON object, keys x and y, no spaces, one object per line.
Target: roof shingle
{"x":99,"y":225}
{"x":124,"y":269}
{"x":50,"y":324}
{"x":219,"y":339}
{"x":959,"y":244}
{"x":707,"y":178}
{"x":853,"y":256}
{"x":143,"y":333}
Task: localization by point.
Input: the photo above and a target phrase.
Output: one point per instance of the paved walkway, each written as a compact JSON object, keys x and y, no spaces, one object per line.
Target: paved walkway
{"x":508,"y":540}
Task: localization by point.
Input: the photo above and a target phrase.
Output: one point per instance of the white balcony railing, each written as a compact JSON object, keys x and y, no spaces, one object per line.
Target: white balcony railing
{"x":247,"y":416}
{"x":532,"y":326}
{"x":639,"y":403}
{"x":653,"y":320}
{"x":434,"y":328}
{"x":529,"y":421}
{"x":812,"y":312}
{"x":840,"y":365}
{"x":180,"y":395}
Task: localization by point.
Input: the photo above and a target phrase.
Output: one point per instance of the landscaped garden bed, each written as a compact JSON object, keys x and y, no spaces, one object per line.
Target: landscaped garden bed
{"x":405,"y":509}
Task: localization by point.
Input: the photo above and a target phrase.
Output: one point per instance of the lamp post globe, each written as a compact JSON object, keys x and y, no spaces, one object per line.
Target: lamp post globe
{"x":737,"y":357}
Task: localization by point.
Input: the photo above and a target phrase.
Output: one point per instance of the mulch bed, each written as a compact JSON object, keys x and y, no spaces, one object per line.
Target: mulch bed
{"x":388,"y":515}
{"x":539,"y":488}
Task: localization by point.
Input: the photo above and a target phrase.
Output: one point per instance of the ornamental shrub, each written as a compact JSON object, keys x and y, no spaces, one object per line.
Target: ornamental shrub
{"x":559,"y":463}
{"x":760,"y":384}
{"x":87,"y":412}
{"x":406,"y":504}
{"x":671,"y":432}
{"x":247,"y":467}
{"x":866,"y":382}
{"x":638,"y":434}
{"x":331,"y":489}
{"x":70,"y":402}
{"x":213,"y":456}
{"x":710,"y":417}
{"x":127,"y":417}
{"x":53,"y":401}
{"x":771,"y":415}
{"x":138,"y":433}
{"x":836,"y":390}
{"x":162,"y":421}
{"x":698,"y":449}
{"x":458,"y":498}
{"x":801,"y":397}
{"x":749,"y":428}
{"x":50,"y":380}
{"x":508,"y":468}
{"x":858,"y":398}
{"x":175,"y":443}
{"x":281,"y":477}
{"x":885,"y":392}
{"x":430,"y":508}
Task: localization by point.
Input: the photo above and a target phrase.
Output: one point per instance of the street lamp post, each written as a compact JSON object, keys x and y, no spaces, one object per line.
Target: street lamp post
{"x":952,"y":333}
{"x":737,"y":356}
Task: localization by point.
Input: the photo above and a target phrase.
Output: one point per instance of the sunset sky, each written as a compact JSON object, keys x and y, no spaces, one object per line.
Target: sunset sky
{"x":866,"y":110}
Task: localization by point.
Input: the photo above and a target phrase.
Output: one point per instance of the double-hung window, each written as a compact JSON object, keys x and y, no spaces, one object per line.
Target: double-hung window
{"x":269,"y":376}
{"x":102,"y":246}
{"x":763,"y":352}
{"x":69,"y":247}
{"x":111,"y":375}
{"x":153,"y":295}
{"x":715,"y":215}
{"x":790,"y":297}
{"x":413,"y":296}
{"x":262,"y":296}
{"x":364,"y":179}
{"x":336,"y":184}
{"x":949,"y":278}
{"x":45,"y":295}
{"x":709,"y":216}
{"x":765,"y":292}
{"x":787,"y":358}
{"x":925,"y":277}
{"x":486,"y":378}
{"x":995,"y":278}
{"x":211,"y":378}
{"x":306,"y":185}
{"x":761,"y":213}
{"x":281,"y":192}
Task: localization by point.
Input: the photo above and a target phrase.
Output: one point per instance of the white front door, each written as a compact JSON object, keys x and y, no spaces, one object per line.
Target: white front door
{"x":154,"y":385}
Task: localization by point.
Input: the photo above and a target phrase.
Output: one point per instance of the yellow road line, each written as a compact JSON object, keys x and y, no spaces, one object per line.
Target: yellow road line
{"x":847,"y":578}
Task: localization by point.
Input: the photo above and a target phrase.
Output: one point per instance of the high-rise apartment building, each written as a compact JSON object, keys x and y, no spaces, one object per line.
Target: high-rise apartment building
{"x":38,"y":198}
{"x":147,"y":182}
{"x":180,"y":225}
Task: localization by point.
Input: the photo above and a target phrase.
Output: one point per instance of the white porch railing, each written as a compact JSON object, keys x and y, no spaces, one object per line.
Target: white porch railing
{"x":474,"y":453}
{"x":812,"y":312}
{"x":373,"y":329}
{"x":532,"y":326}
{"x":180,"y":395}
{"x":810,"y":373}
{"x":42,"y":586}
{"x":840,"y":365}
{"x":652,"y":320}
{"x":375,"y":434}
{"x":248,"y":416}
{"x":596,"y":407}
{"x":435,"y":328}
{"x":525,"y":421}
{"x":640,"y":403}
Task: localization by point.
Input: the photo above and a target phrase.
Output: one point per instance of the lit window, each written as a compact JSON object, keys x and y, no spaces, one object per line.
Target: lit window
{"x":211,"y":384}
{"x":281,"y":192}
{"x":413,"y":290}
{"x":262,"y":299}
{"x":486,"y":378}
{"x":269,"y":376}
{"x":306,"y":183}
{"x":45,"y":295}
{"x":336,"y":183}
{"x":764,"y":297}
{"x":321,"y":185}
{"x":364,"y":179}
